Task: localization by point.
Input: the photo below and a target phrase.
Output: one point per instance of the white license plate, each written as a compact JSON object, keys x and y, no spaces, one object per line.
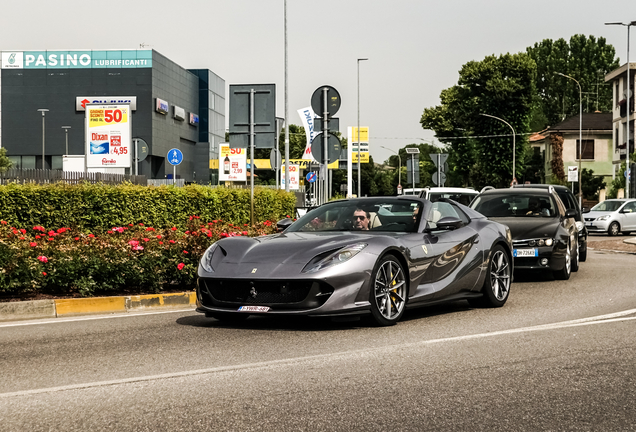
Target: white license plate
{"x":253,"y":309}
{"x":589,"y":224}
{"x":525,"y":252}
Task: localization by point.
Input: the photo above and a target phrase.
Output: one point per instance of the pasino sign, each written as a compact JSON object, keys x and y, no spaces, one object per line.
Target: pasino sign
{"x":76,"y":59}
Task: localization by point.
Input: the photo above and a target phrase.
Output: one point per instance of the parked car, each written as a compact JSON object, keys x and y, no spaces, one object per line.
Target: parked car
{"x":570,"y":202}
{"x":374,"y":256}
{"x":460,"y":195}
{"x":544,"y":233}
{"x":612,"y":217}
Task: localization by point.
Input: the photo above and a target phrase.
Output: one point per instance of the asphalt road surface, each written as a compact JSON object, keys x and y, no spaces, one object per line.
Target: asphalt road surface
{"x":559,"y":356}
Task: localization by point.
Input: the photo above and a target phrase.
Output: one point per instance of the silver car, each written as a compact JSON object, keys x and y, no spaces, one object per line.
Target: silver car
{"x":612,"y":216}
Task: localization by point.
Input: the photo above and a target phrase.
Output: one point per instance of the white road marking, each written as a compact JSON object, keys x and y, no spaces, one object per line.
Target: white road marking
{"x":90,"y":318}
{"x":600,"y":319}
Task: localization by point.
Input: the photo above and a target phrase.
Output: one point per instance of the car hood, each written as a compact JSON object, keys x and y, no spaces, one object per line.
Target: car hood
{"x":597,"y":214}
{"x":529,"y":227}
{"x":278,"y":255}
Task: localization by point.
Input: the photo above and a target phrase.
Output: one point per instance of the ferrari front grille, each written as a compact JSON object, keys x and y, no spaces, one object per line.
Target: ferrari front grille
{"x":265,"y":291}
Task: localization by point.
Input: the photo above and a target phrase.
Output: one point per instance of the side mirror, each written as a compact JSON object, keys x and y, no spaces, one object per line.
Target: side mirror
{"x":282,"y":224}
{"x":586,"y":210}
{"x":449,"y":223}
{"x":570,"y":213}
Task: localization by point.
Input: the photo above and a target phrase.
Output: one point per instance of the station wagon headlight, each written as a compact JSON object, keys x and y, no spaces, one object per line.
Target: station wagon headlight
{"x":602,"y":218}
{"x":541,"y":242}
{"x":330,"y":259}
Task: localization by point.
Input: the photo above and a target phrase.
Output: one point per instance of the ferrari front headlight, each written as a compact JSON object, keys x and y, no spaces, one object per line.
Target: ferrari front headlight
{"x":206,"y":259}
{"x":338,"y":257}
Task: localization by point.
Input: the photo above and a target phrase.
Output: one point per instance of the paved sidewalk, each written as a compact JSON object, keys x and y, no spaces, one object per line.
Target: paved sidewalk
{"x":36,"y":309}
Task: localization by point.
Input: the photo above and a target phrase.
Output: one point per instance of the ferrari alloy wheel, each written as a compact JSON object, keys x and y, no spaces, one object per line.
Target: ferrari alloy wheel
{"x":566,"y":271}
{"x":614,"y":229}
{"x":498,"y":279}
{"x":389,"y":291}
{"x":576,"y":258}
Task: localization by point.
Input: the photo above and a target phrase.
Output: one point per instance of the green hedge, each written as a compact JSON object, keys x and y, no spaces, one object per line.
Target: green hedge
{"x":97,"y":207}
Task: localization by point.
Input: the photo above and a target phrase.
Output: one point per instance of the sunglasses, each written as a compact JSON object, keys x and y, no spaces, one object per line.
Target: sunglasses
{"x":360,"y":217}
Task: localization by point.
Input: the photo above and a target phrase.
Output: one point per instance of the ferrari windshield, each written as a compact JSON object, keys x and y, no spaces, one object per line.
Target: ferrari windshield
{"x":381,"y":214}
{"x":513,"y":205}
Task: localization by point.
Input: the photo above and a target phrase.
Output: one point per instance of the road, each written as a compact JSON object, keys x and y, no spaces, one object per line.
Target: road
{"x":559,"y":355}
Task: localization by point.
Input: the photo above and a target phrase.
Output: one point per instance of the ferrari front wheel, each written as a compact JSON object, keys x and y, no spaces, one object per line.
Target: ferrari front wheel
{"x":388,"y":291}
{"x":498,"y":280}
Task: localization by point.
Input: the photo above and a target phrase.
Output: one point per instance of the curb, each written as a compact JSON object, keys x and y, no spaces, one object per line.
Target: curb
{"x":38,"y":309}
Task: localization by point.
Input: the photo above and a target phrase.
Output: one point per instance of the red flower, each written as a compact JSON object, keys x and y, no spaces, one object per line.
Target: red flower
{"x":50,"y":239}
{"x":61,"y":230}
{"x":180,"y":266}
{"x":37,"y":237}
{"x":138,"y":247}
{"x":172,"y":241}
{"x":3,"y":222}
{"x":150,"y":229}
{"x":133,"y":243}
{"x":223,"y":234}
{"x":33,"y":244}
{"x":22,"y":230}
{"x":43,"y":273}
{"x":185,"y":251}
{"x":145,"y":239}
{"x":160,"y":242}
{"x":214,"y":221}
{"x":187,"y":232}
{"x":209,"y":233}
{"x":21,"y":238}
{"x":173,"y":228}
{"x":159,"y":236}
{"x":43,"y":259}
{"x":191,"y":217}
{"x":51,"y":233}
{"x":245,"y":232}
{"x":91,"y":235}
{"x":76,"y":238}
{"x":130,"y":224}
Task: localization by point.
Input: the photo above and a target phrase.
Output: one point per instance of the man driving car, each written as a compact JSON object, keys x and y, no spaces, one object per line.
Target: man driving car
{"x":361,"y":220}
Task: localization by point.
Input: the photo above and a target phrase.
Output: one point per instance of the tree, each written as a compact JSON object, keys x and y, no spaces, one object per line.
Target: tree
{"x":5,"y":162}
{"x":590,"y":185}
{"x":585,"y":59}
{"x":502,"y":87}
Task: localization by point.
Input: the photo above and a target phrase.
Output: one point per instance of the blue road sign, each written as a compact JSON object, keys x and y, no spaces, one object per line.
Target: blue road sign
{"x":175,"y":157}
{"x":311,"y":177}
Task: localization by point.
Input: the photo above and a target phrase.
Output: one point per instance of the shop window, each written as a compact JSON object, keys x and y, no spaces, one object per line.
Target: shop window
{"x":587,"y":147}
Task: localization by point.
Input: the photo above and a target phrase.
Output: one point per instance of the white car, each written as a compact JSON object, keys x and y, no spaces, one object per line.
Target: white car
{"x":461,"y":195}
{"x":612,"y":216}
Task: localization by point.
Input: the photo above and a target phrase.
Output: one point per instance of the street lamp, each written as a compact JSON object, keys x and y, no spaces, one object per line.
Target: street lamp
{"x":359,"y":60}
{"x":287,"y":121}
{"x":580,"y":176}
{"x":43,"y":111}
{"x":628,"y":95}
{"x":514,"y":177}
{"x":66,"y":128}
{"x":399,"y":166}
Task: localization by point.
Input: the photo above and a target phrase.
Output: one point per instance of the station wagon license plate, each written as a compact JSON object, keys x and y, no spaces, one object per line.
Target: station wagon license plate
{"x":525,"y":252}
{"x":253,"y":309}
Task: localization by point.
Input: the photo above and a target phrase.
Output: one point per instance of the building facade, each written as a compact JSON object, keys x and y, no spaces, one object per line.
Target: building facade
{"x":171,"y":107}
{"x":620,"y":120}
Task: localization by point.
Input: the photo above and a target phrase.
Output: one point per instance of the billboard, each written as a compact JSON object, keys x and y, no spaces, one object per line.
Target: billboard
{"x":364,"y":144}
{"x":108,"y":136}
{"x":294,"y":177}
{"x":95,"y":59}
{"x":232,"y":163}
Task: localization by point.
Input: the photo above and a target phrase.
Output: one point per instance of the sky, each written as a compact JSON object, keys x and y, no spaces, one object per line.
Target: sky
{"x":415,"y":48}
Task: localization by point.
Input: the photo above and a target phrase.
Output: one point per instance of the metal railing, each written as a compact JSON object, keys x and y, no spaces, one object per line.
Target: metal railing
{"x":39,"y":176}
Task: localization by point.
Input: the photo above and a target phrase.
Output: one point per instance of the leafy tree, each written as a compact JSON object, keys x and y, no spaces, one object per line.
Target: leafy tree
{"x":500,"y":86}
{"x":5,"y":163}
{"x":590,"y":185}
{"x":586,"y":59}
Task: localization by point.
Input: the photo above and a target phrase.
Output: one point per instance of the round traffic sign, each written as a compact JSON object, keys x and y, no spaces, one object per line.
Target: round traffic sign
{"x":311,"y":177}
{"x":175,"y":157}
{"x":142,"y":149}
{"x":333,"y":101}
{"x":333,"y":148}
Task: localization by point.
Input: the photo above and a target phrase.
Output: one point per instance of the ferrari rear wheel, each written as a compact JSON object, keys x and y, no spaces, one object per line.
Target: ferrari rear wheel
{"x":497,"y":283}
{"x":388,"y":292}
{"x":566,"y":271}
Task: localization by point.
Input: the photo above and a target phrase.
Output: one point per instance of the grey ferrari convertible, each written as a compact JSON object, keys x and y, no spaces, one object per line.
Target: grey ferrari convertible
{"x":373,"y":256}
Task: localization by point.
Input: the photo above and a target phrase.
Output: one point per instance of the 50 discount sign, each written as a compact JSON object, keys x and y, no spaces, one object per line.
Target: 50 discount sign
{"x":232,"y":163}
{"x":108,"y":136}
